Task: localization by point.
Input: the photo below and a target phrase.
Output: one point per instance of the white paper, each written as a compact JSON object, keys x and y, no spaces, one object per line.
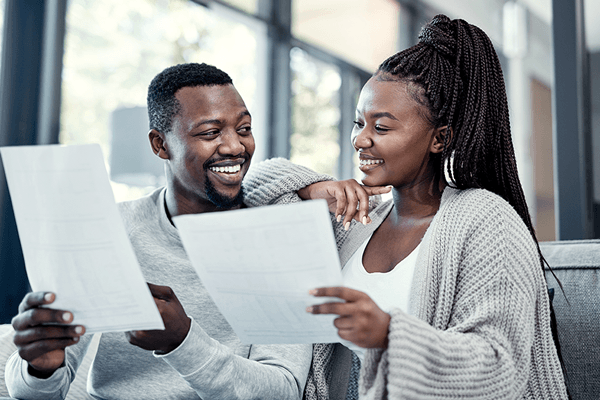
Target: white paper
{"x":73,"y":238}
{"x":258,"y":265}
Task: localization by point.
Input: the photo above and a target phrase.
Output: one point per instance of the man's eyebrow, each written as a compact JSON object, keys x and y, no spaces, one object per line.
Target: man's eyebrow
{"x":207,"y":122}
{"x":218,"y":121}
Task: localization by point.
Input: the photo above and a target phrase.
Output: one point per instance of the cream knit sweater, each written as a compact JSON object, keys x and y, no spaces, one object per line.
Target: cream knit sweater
{"x":480,"y":320}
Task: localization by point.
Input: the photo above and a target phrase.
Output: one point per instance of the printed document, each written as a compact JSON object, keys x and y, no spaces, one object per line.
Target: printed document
{"x":73,"y":239}
{"x":258,"y":265}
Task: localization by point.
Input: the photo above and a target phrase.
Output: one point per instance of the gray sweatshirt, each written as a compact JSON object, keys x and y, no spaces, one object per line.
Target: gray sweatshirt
{"x":211,"y":363}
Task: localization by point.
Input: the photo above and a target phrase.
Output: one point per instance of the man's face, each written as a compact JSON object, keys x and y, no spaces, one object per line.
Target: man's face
{"x":210,"y":146}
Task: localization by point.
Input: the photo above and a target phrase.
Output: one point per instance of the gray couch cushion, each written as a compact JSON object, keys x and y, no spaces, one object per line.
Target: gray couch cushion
{"x":576,"y":264}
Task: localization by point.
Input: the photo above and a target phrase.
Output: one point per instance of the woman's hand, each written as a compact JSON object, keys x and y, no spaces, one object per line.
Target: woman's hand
{"x":345,"y":198}
{"x":360,"y":320}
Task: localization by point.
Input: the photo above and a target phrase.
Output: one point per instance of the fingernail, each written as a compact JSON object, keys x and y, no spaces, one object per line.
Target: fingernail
{"x":309,"y":309}
{"x":48,"y":297}
{"x":312,"y":292}
{"x":66,"y":316}
{"x":347,"y":225}
{"x":339,"y":218}
{"x":79,"y":330}
{"x":364,"y":220}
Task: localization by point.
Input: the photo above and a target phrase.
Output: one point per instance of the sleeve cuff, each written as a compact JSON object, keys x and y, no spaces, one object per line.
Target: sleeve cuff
{"x":41,"y":385}
{"x":196,"y":350}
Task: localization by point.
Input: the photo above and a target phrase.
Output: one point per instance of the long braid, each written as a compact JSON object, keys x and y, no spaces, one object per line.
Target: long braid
{"x":461,"y":83}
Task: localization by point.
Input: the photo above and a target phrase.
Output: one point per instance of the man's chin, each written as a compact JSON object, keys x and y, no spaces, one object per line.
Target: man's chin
{"x":222,"y":200}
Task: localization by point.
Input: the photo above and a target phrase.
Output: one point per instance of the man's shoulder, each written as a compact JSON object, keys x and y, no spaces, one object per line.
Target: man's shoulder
{"x":137,"y":210}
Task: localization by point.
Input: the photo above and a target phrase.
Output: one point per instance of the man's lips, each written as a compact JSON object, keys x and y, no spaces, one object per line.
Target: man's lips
{"x":229,"y":166}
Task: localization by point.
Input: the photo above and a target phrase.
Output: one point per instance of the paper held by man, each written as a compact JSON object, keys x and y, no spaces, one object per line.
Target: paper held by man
{"x":257,"y":264}
{"x":73,"y":239}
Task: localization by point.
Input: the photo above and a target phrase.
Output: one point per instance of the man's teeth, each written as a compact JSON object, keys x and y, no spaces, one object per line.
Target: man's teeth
{"x":229,"y":170}
{"x":369,"y":162}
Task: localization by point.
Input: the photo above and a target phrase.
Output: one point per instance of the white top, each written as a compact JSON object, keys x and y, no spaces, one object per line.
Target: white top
{"x":382,"y":287}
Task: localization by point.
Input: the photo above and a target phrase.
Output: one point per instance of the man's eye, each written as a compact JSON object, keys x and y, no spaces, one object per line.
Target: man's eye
{"x":207,"y":133}
{"x":381,"y":128}
{"x":358,"y":124}
{"x":245,"y":130}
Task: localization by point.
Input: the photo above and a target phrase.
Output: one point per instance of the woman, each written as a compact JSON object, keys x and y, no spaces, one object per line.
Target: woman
{"x":468,"y":314}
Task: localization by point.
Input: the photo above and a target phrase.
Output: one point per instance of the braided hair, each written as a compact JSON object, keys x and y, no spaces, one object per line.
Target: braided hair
{"x":463,"y":87}
{"x":455,"y":73}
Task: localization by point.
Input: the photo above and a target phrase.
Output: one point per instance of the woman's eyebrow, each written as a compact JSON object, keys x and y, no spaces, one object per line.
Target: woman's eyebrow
{"x":383,"y":114}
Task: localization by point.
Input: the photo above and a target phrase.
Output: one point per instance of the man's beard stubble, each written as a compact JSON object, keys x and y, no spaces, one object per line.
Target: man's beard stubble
{"x":223,"y":201}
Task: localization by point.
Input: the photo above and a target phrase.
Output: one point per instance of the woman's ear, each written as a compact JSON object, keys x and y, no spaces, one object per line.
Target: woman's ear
{"x":158,"y":144}
{"x":439,"y":138}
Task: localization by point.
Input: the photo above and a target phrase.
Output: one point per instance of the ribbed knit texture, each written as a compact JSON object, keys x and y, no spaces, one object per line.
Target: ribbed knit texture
{"x":276,"y":181}
{"x":481,"y":324}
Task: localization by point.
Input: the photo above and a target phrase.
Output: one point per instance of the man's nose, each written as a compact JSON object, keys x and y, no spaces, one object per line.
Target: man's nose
{"x":231,"y":143}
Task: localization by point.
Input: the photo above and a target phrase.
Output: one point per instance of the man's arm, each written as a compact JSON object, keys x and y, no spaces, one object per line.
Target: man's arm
{"x":211,"y":368}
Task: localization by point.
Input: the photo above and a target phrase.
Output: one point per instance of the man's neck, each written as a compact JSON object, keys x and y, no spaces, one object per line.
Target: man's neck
{"x":180,"y":205}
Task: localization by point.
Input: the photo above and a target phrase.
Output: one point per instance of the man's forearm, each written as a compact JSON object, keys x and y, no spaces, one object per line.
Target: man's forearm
{"x":214,"y":371}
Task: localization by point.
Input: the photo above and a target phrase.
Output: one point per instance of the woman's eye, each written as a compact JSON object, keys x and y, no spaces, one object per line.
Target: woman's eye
{"x":358,"y":124}
{"x":381,"y":128}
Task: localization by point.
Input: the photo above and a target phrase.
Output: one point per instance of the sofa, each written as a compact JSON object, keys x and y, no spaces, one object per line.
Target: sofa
{"x":575,"y":263}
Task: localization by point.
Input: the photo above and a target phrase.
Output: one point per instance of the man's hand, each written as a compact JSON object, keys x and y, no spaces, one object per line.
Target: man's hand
{"x":345,"y":198}
{"x":360,"y":320}
{"x":41,"y":334}
{"x":177,"y":323}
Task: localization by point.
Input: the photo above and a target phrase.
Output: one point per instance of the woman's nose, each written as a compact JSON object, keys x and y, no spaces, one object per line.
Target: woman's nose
{"x":360,"y":139}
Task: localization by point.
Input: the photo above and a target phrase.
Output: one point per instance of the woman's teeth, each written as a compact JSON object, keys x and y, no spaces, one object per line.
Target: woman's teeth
{"x":369,"y":162}
{"x":228,"y":170}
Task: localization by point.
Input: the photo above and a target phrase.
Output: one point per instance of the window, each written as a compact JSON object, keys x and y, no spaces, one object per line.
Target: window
{"x":113,"y":49}
{"x":1,"y":29}
{"x":250,"y":6}
{"x":315,"y":112}
{"x":361,"y":32}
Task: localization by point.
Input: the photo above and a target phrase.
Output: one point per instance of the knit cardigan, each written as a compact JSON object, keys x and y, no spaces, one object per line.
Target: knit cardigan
{"x":478,"y":324}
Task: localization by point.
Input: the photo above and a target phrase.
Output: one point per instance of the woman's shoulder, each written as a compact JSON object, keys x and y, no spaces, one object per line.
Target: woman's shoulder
{"x":481,"y":212}
{"x":476,"y":202}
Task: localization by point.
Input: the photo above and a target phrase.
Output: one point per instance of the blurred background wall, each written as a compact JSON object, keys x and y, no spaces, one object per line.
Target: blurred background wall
{"x":77,"y":71}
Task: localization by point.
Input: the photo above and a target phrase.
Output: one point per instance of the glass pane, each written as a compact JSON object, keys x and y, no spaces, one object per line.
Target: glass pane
{"x":114,"y":48}
{"x":315,"y":113}
{"x":362,"y":32}
{"x":250,"y":6}
{"x":1,"y":29}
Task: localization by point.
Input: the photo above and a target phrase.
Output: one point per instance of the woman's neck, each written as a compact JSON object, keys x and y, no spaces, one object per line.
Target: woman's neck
{"x":421,"y":200}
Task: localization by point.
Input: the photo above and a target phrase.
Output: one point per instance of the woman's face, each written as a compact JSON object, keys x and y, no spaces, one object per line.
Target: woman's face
{"x":393,"y":138}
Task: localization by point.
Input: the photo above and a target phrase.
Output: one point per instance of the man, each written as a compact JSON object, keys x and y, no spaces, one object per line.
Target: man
{"x":201,"y":127}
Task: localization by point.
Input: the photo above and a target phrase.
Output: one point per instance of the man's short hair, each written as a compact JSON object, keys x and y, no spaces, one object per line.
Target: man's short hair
{"x":162,"y":104}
